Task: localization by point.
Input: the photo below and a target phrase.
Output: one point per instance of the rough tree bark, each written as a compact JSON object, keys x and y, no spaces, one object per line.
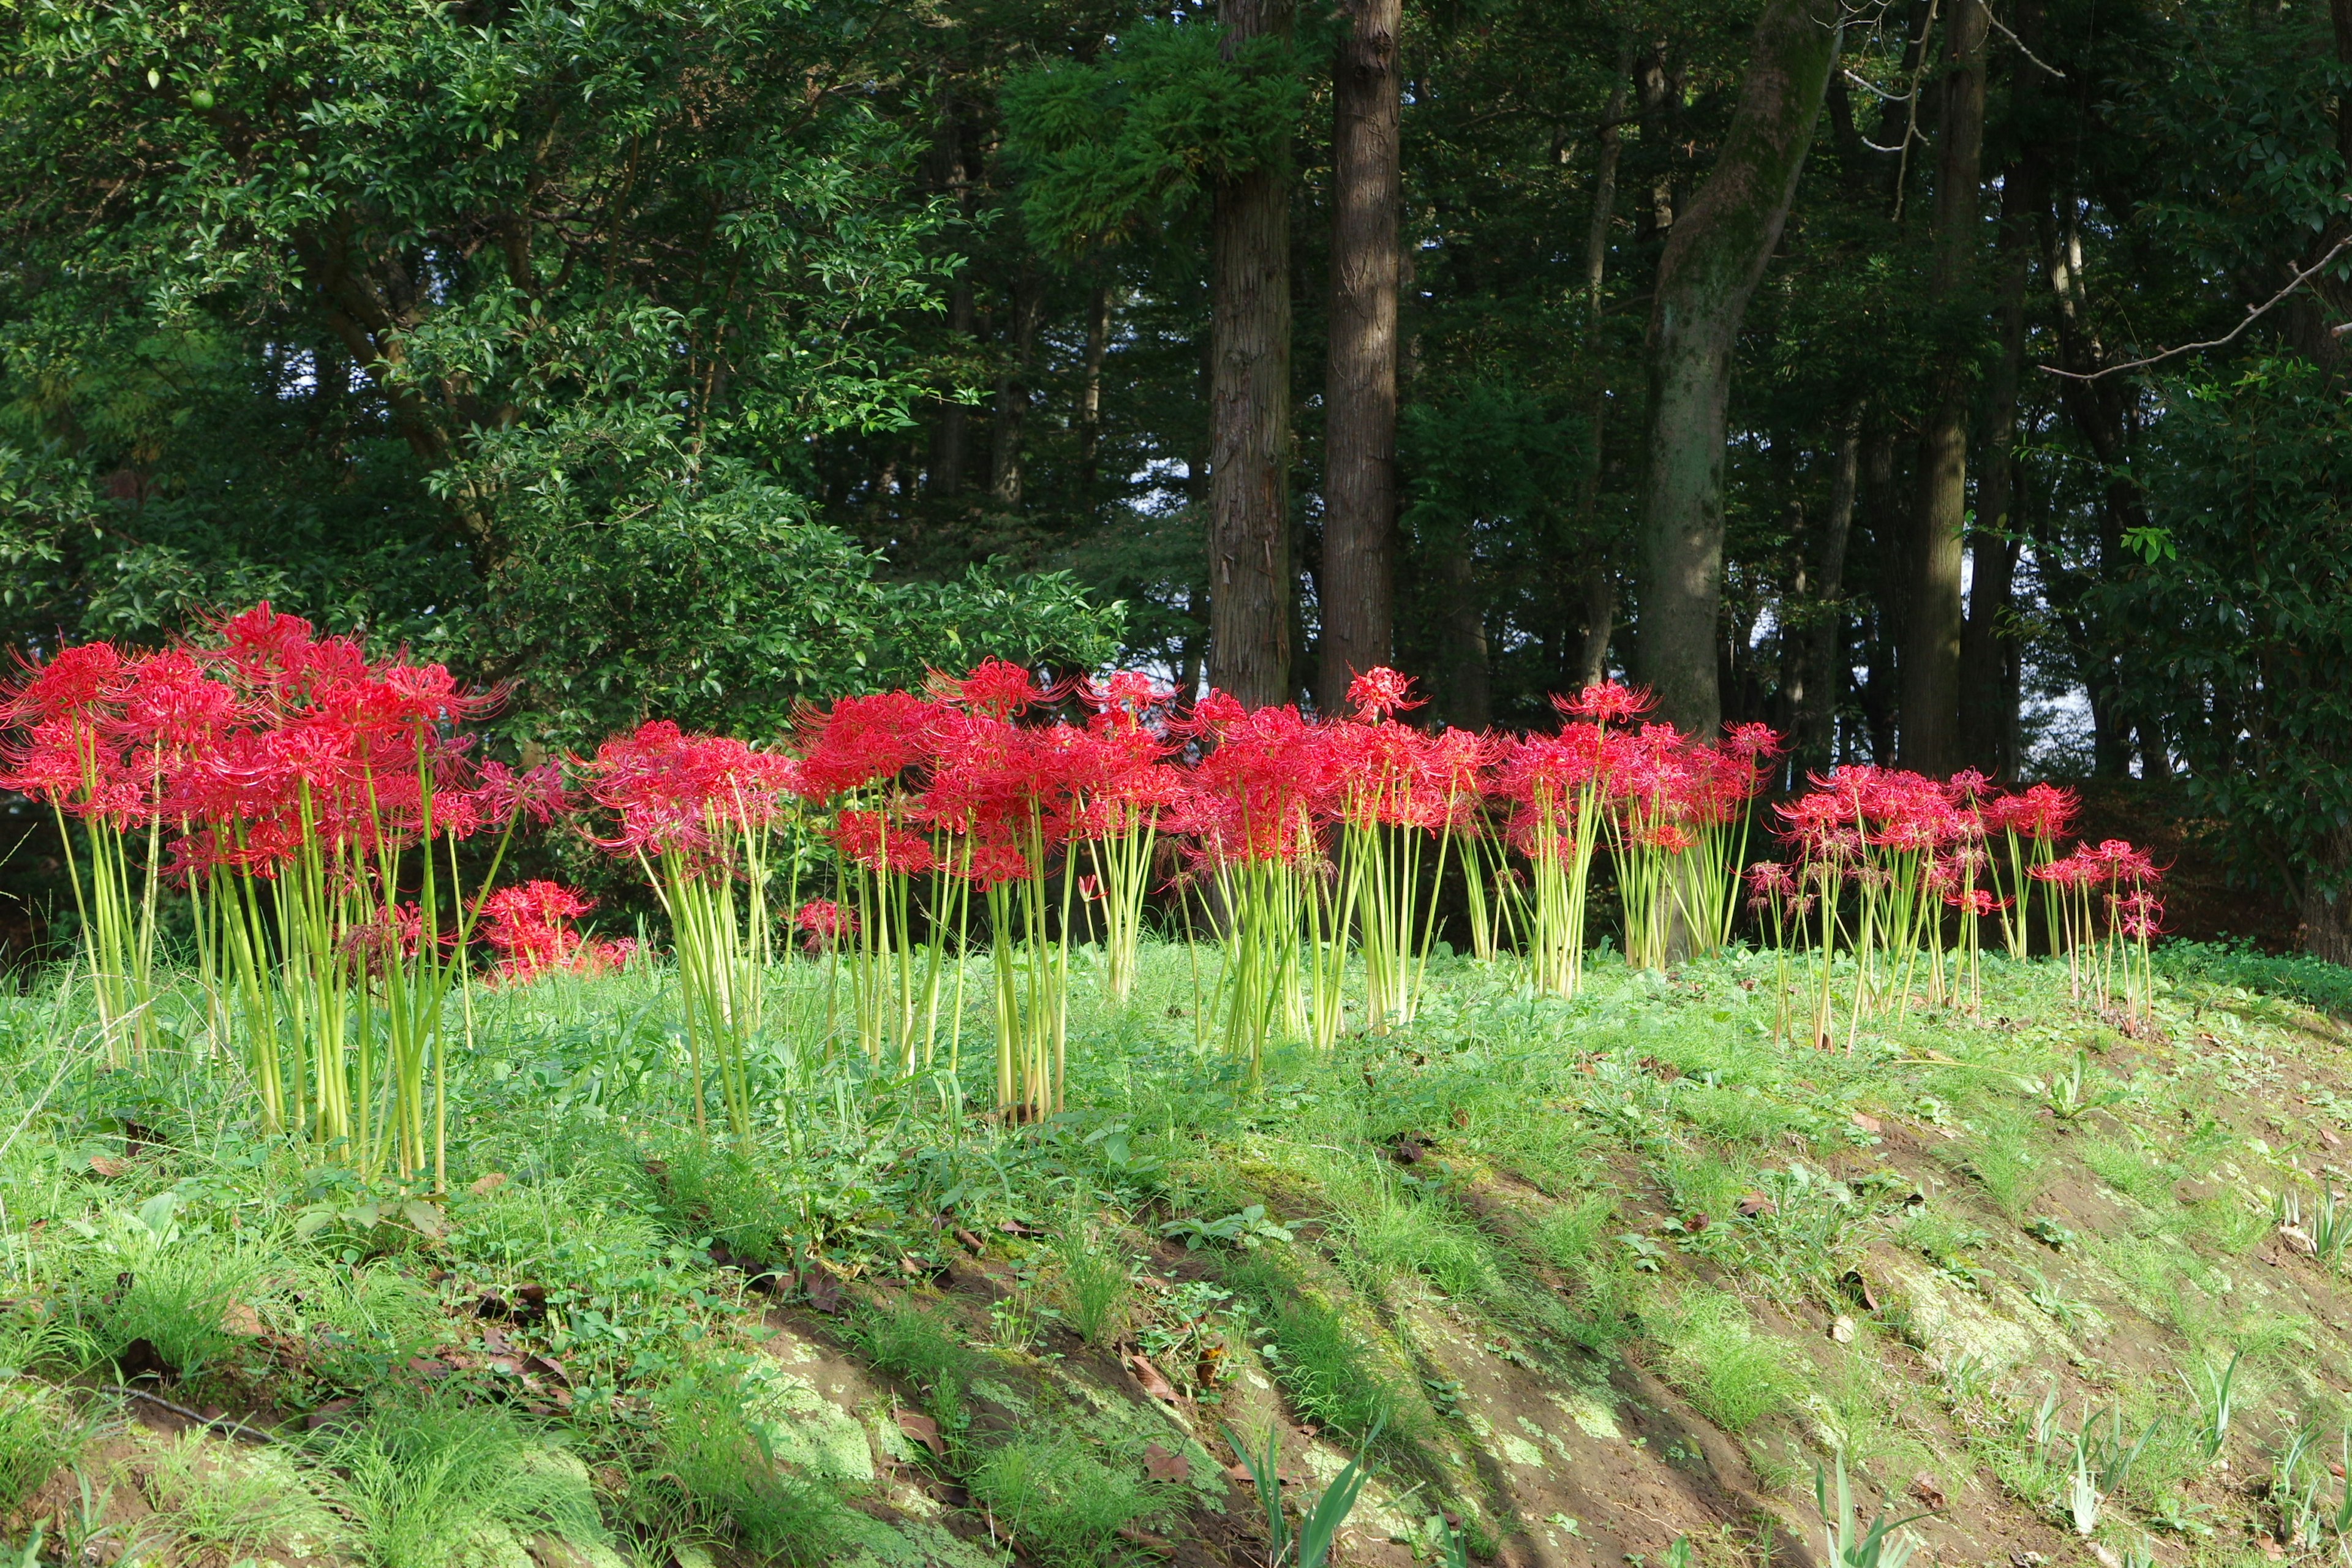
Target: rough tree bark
{"x":1714,"y":257}
{"x":1359,"y":399}
{"x":1598,"y":590}
{"x":1931,"y":654}
{"x":1250,"y":587}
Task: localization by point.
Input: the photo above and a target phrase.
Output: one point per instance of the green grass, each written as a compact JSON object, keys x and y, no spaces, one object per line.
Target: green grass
{"x":1733,"y":1375}
{"x":1501,"y":1201}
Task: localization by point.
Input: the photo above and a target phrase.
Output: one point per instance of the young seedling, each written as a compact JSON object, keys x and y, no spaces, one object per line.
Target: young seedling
{"x":1319,"y":1521}
{"x":2083,"y":1494}
{"x":1882,"y":1545}
{"x":2214,"y":1407}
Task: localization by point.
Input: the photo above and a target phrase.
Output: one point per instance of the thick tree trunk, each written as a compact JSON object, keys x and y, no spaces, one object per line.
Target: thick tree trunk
{"x":1359,"y":399}
{"x":1987,"y":702}
{"x":1250,"y":586}
{"x":1712,"y":259}
{"x":1598,"y":591}
{"x":1931,"y":661}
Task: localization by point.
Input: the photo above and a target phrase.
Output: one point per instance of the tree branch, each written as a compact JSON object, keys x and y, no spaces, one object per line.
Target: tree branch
{"x":2253,"y":313}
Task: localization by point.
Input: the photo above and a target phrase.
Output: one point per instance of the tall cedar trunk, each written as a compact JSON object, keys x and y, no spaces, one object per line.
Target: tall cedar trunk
{"x":1090,"y":396}
{"x":1816,"y":703}
{"x":1987,"y":702}
{"x":1931,"y":654}
{"x":1714,"y":257}
{"x":1249,"y":410}
{"x":1013,"y":392}
{"x":1597,"y":589}
{"x":1359,"y":399}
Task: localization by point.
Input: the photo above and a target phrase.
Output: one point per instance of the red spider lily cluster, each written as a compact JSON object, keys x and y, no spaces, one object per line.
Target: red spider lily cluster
{"x":305,"y":794}
{"x":530,"y":926}
{"x":1910,"y":848}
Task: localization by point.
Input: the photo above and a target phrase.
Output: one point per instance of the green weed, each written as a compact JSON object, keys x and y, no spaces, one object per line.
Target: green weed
{"x":428,"y":1478}
{"x":1060,"y":1503}
{"x":1097,"y":1282}
{"x":216,"y":1496}
{"x":1734,"y":1375}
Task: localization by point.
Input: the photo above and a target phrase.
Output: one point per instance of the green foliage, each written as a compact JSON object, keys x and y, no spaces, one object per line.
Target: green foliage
{"x":505,"y":336}
{"x":1734,"y":1375}
{"x":2245,"y":625}
{"x":2297,"y":976}
{"x":1107,"y":147}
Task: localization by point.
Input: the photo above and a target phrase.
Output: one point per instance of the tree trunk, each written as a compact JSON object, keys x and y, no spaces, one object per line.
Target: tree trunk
{"x":1090,"y":397}
{"x":1714,"y":257}
{"x":1600,"y":596}
{"x":1250,"y":587}
{"x":1987,"y":702}
{"x":1816,"y":704}
{"x":1931,"y":661}
{"x":1013,"y":392}
{"x":1359,"y":399}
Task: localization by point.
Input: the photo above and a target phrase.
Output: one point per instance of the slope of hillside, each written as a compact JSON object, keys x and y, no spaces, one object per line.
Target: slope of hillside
{"x":1586,"y":1283}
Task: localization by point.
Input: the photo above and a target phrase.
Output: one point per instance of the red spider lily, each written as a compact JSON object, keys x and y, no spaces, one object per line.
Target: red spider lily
{"x":529,"y":926}
{"x":997,"y":688}
{"x":1381,"y":693}
{"x":2140,"y":916}
{"x":861,"y":740}
{"x":673,"y":792}
{"x":2076,"y":872}
{"x":1261,"y":793}
{"x":823,"y":923}
{"x":2119,"y":862}
{"x":1978,"y":901}
{"x":1127,"y":699}
{"x":2041,"y":812}
{"x":1607,"y":702}
{"x":872,"y":840}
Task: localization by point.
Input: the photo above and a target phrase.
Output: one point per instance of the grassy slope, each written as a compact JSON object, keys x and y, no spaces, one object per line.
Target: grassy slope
{"x":1604,"y":1273}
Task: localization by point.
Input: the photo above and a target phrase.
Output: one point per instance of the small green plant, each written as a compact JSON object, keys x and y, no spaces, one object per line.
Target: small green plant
{"x":2215,"y":1405}
{"x":1061,"y":1504}
{"x":1097,"y":1279}
{"x":218,"y":1498}
{"x":1881,"y":1544}
{"x":1320,"y":1519}
{"x":2067,"y":1314}
{"x":2083,"y":1494}
{"x":2074,"y":1094}
{"x":1247,"y":1228}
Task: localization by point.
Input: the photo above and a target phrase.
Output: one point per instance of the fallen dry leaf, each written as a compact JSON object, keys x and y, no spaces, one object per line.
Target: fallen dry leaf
{"x":1756,"y":1203}
{"x":922,"y":1429}
{"x":1155,"y":1382}
{"x":1162,"y":1465}
{"x":238,"y":1318}
{"x":107,"y":1166}
{"x":1866,"y":1123}
{"x":1923,"y":1488}
{"x":489,"y":1184}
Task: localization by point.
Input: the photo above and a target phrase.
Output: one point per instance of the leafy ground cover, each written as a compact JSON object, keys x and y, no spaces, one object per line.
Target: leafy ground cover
{"x":1591,"y":1282}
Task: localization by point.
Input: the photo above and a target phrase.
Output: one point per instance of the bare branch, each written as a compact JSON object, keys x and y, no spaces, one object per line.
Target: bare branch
{"x":2253,"y":313}
{"x":2022,"y":49}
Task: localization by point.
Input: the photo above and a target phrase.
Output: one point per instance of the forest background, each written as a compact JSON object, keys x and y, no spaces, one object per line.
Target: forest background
{"x":692,"y":360}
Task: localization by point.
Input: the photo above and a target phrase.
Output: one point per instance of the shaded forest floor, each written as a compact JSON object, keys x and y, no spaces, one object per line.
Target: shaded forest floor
{"x":1611,"y":1279}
